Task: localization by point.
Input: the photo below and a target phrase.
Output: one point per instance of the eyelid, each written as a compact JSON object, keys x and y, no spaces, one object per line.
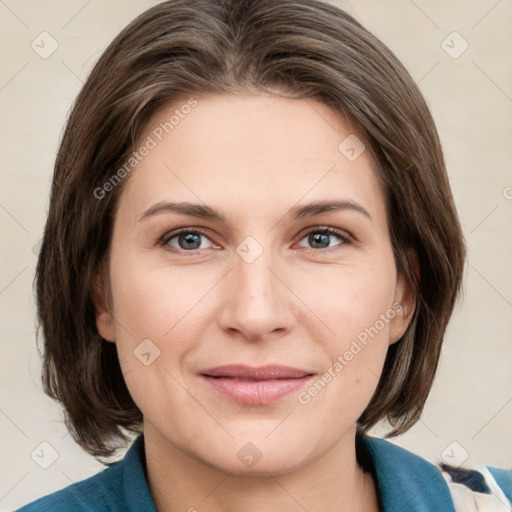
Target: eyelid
{"x":342,"y":233}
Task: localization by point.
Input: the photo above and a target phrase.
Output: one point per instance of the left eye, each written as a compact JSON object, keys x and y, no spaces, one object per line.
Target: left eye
{"x":321,"y":238}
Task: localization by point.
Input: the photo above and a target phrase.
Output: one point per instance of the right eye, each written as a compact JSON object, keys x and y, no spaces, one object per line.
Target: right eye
{"x":185,"y":239}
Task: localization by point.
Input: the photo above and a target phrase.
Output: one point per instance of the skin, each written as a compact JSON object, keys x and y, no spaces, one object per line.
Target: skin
{"x":252,"y":157}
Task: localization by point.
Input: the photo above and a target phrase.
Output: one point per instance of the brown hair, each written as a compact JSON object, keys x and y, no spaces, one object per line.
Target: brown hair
{"x":181,"y":48}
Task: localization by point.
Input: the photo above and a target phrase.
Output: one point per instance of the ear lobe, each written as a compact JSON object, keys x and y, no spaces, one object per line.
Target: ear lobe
{"x":399,"y":324}
{"x":104,"y":319}
{"x":105,"y":326}
{"x":405,"y":296}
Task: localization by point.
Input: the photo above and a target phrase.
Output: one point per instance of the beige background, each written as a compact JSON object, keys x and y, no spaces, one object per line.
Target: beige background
{"x":471,"y":98}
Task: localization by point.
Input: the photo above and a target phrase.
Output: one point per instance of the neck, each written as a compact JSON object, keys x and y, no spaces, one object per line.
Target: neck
{"x":332,"y":482}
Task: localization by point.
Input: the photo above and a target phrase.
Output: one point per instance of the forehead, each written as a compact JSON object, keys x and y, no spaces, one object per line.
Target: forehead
{"x":253,"y":153}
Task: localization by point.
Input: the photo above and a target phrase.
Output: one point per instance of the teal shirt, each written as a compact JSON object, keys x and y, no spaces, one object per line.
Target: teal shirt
{"x":406,"y":482}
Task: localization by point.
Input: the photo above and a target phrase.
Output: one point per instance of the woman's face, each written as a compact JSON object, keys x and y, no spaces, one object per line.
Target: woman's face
{"x":252,"y":326}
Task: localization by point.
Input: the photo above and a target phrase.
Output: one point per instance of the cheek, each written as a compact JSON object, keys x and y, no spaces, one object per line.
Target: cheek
{"x":156,"y":328}
{"x":353,"y":303}
{"x":356,"y":308}
{"x":151,"y":302}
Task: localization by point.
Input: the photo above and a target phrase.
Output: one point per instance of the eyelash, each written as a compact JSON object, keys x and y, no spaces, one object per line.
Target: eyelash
{"x":345,"y":238}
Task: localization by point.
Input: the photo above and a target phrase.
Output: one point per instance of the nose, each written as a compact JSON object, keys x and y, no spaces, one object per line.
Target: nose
{"x":256,"y":302}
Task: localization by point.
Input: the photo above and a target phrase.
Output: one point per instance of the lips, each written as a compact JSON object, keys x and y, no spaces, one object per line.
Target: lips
{"x":255,"y":385}
{"x":256,"y":373}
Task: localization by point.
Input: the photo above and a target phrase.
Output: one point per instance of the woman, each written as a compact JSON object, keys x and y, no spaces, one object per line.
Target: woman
{"x":250,"y":259}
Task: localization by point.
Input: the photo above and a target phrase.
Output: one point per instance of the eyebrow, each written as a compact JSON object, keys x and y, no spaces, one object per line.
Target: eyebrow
{"x":297,"y":212}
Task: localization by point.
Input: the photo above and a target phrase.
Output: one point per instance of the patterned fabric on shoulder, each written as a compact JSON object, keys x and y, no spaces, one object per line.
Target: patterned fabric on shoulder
{"x":473,"y":488}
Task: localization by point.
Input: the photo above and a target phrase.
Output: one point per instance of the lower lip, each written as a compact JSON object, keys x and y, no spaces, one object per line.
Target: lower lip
{"x":256,"y":392}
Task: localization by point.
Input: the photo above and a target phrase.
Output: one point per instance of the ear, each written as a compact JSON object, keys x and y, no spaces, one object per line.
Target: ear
{"x":404,"y":301}
{"x":103,"y":314}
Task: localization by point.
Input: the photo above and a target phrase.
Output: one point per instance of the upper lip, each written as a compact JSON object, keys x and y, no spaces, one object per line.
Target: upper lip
{"x":257,"y":373}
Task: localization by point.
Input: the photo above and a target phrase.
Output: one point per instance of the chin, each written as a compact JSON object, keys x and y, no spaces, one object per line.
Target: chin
{"x":275,"y":466}
{"x":258,"y":458}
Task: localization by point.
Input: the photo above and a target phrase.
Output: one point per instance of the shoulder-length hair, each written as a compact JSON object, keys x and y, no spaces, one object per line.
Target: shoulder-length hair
{"x":182,"y":48}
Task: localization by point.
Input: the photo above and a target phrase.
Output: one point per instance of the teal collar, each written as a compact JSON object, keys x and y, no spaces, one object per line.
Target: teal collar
{"x":136,"y":488}
{"x":406,"y":482}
